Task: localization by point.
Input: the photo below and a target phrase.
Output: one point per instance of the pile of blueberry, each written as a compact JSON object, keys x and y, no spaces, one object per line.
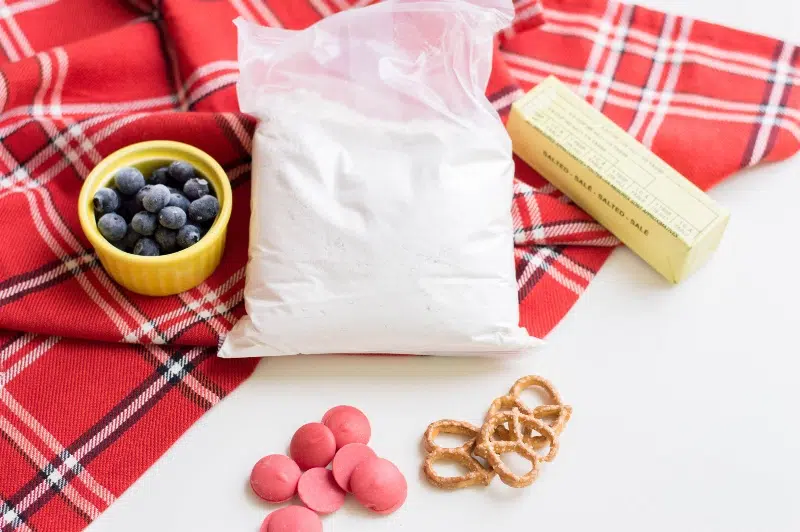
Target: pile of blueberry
{"x":167,"y":213}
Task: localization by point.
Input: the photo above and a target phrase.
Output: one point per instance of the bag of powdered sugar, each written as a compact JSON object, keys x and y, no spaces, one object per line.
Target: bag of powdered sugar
{"x":381,"y":186}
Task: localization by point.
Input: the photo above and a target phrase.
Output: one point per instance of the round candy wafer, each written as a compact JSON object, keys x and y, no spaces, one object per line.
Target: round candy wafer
{"x":348,"y":424}
{"x":346,"y":460}
{"x":319,"y":491}
{"x":274,"y":478}
{"x":293,"y":519}
{"x":379,"y":485}
{"x":313,"y":445}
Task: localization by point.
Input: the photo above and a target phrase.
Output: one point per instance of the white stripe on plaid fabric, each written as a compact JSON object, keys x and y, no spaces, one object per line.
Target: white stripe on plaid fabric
{"x":654,"y":79}
{"x":266,"y":13}
{"x":7,"y":14}
{"x":161,"y":103}
{"x":235,"y":122}
{"x":190,"y":380}
{"x":540,"y":260}
{"x":524,"y":10}
{"x":21,"y":174}
{"x":208,"y":69}
{"x":56,"y":447}
{"x":28,"y":5}
{"x":29,"y":358}
{"x":534,"y":71}
{"x":14,"y":347}
{"x":598,"y":40}
{"x":636,"y":91}
{"x":321,"y":7}
{"x":771,"y":113}
{"x":47,"y":276}
{"x":209,"y":87}
{"x":10,"y":518}
{"x":703,"y":54}
{"x":175,"y":370}
{"x":666,"y":94}
{"x":8,"y":46}
{"x":243,"y":10}
{"x":506,"y":100}
{"x":220,"y":308}
{"x":63,"y":64}
{"x":612,"y":61}
{"x":52,"y":475}
{"x":46,"y":68}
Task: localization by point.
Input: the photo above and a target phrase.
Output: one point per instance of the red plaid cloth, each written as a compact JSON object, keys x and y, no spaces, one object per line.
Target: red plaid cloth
{"x":96,"y":382}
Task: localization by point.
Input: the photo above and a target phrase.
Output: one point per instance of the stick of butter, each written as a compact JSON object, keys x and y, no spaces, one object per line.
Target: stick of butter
{"x":649,"y":206}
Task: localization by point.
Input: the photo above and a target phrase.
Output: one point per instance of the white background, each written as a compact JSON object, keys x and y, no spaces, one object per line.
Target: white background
{"x":685,"y":398}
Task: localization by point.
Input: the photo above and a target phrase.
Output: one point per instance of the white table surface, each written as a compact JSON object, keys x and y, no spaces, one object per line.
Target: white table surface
{"x":685,"y":398}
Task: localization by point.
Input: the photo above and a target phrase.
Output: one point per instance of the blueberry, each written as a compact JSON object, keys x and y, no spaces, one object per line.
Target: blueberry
{"x":131,"y":237}
{"x":203,"y":209}
{"x":128,"y":208}
{"x":172,"y":217}
{"x":112,"y":226}
{"x":156,"y":198}
{"x":166,"y":239}
{"x":179,"y":200}
{"x":188,"y":235}
{"x":120,"y":245}
{"x":160,"y":176}
{"x":181,"y":171}
{"x":146,"y":247}
{"x":144,"y":223}
{"x":140,"y":196}
{"x":195,"y":188}
{"x":129,"y":180}
{"x":105,"y":200}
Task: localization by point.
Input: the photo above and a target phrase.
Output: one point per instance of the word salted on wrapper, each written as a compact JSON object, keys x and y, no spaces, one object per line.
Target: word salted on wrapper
{"x":648,"y":205}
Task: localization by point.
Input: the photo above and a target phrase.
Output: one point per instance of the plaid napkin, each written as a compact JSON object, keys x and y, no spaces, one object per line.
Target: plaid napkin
{"x":96,"y":382}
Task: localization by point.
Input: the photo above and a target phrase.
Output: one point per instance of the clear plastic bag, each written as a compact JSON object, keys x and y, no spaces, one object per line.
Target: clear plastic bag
{"x":382,"y":184}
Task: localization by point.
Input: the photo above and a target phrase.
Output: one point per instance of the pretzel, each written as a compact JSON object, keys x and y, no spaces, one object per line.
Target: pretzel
{"x":554,"y":408}
{"x":490,"y":449}
{"x":477,"y":475}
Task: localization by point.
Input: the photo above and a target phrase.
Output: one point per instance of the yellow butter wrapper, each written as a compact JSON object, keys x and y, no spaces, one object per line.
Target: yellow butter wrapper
{"x":644,"y":202}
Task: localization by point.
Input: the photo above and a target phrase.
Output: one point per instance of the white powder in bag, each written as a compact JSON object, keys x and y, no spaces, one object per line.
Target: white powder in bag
{"x":378,"y":236}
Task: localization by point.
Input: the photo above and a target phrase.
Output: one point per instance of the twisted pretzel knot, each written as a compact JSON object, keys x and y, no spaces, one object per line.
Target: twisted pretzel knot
{"x":490,"y":449}
{"x":477,"y":475}
{"x":554,"y":407}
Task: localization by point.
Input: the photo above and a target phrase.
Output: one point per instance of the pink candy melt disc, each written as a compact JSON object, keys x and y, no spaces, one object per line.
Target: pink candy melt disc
{"x":313,"y":445}
{"x":319,"y":491}
{"x":265,"y":524}
{"x":348,"y":424}
{"x":346,"y":460}
{"x":293,"y":519}
{"x":274,"y":478}
{"x":379,"y":485}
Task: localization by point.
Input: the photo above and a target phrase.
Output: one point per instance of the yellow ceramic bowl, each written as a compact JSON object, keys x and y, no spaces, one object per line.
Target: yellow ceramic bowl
{"x":166,"y":274}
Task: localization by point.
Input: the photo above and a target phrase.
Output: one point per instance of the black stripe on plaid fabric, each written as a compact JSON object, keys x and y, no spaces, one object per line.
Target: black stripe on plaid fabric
{"x":541,"y":270}
{"x":248,"y":125}
{"x":502,"y":93}
{"x":787,"y":91}
{"x":42,"y":475}
{"x":58,"y":279}
{"x":177,"y":359}
{"x":751,"y":142}
{"x":11,"y":340}
{"x":135,"y":397}
{"x":550,"y":225}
